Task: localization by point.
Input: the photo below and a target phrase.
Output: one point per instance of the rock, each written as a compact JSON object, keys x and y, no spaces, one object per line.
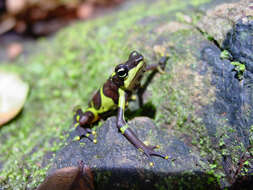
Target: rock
{"x":219,"y":21}
{"x":239,"y":42}
{"x":114,"y":159}
{"x":234,"y":101}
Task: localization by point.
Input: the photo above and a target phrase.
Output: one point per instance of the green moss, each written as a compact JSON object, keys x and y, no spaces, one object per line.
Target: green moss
{"x":63,"y":72}
{"x":240,"y":68}
{"x":185,"y":182}
{"x":198,"y":2}
{"x":225,"y":54}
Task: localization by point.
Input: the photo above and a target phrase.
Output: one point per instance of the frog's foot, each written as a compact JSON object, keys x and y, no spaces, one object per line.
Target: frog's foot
{"x":162,"y":64}
{"x":86,"y":132}
{"x":149,"y":151}
{"x":133,"y":97}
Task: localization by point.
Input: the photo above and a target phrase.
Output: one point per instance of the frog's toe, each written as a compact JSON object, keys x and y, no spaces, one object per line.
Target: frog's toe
{"x":163,"y":60}
{"x":90,"y":137}
{"x":149,"y":151}
{"x":76,"y":124}
{"x":154,"y":153}
{"x":85,"y":132}
{"x":162,"y":64}
{"x":133,"y":98}
{"x":78,"y":115}
{"x":153,"y":147}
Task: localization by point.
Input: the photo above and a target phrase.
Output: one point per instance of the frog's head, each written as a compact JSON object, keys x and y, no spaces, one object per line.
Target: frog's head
{"x":130,"y":73}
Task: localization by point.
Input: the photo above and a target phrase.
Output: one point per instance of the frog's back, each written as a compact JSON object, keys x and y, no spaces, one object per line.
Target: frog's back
{"x":104,"y":100}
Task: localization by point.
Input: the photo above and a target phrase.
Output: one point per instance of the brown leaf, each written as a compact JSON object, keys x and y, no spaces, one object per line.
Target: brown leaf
{"x":14,"y":50}
{"x":15,"y":6}
{"x":69,"y":178}
{"x":7,"y":24}
{"x":85,"y":10}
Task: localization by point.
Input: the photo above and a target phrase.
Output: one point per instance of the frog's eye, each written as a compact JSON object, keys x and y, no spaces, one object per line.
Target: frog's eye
{"x":122,"y":71}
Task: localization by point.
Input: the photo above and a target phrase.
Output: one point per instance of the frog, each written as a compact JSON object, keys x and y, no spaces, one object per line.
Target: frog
{"x":114,"y":95}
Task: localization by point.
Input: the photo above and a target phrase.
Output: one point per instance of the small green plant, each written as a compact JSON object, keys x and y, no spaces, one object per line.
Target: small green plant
{"x":225,"y":55}
{"x":240,"y":68}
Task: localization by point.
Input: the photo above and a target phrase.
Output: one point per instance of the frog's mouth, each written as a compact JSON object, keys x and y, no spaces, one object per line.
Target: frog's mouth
{"x":134,"y":76}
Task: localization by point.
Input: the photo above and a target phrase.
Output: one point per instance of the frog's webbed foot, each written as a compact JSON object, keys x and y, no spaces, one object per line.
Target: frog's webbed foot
{"x":86,"y":132}
{"x":162,"y":64}
{"x":160,"y":67}
{"x":149,"y":151}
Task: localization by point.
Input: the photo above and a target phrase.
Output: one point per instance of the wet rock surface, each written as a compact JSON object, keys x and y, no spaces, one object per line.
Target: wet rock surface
{"x":219,"y":20}
{"x":230,"y":134}
{"x":239,"y":42}
{"x":118,"y":164}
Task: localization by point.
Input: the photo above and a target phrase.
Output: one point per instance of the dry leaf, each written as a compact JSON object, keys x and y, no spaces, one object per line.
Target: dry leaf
{"x":14,"y":50}
{"x":13,"y":93}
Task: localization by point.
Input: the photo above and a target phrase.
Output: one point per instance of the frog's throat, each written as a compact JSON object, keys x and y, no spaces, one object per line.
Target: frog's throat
{"x":132,"y":74}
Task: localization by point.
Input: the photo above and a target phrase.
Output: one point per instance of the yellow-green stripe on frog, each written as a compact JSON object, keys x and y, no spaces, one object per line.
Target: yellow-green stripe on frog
{"x":123,"y":129}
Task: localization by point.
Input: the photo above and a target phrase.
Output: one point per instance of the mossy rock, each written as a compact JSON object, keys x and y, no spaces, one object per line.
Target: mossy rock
{"x":189,"y":124}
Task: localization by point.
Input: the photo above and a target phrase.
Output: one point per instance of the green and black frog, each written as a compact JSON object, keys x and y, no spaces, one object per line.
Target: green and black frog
{"x":114,"y":95}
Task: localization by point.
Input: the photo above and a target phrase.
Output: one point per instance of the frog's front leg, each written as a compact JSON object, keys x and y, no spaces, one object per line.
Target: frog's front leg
{"x":129,"y":134}
{"x":159,"y":67}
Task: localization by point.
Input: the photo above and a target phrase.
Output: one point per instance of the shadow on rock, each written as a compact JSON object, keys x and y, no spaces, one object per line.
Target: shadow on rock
{"x":123,"y":178}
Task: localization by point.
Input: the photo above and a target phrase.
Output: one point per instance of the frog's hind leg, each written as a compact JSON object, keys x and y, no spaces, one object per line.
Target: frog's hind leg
{"x":82,"y":122}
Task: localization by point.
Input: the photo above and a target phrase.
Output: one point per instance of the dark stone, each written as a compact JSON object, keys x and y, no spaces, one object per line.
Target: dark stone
{"x":231,"y":96}
{"x":113,"y":159}
{"x":231,"y":111}
{"x":239,"y":42}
